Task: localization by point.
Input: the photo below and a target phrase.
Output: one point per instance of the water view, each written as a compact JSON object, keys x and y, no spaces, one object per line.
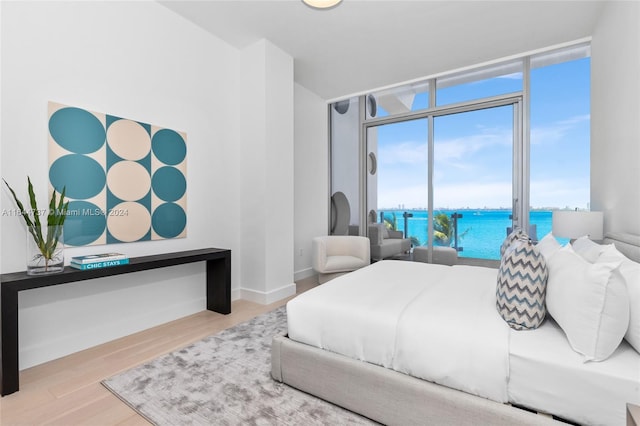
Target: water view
{"x":480,"y":232}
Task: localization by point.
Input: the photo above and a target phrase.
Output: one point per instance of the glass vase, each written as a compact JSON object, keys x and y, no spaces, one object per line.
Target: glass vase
{"x":45,"y":250}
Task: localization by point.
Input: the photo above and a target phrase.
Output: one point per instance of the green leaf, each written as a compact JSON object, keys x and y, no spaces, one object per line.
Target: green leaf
{"x":55,"y":219}
{"x":35,"y":212}
{"x":20,"y":206}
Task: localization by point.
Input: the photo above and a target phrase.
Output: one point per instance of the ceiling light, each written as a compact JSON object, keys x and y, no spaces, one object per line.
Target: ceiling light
{"x":321,"y":4}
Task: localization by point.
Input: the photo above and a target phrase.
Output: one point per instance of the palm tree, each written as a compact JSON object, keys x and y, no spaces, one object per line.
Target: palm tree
{"x":391,"y":223}
{"x":442,"y":229}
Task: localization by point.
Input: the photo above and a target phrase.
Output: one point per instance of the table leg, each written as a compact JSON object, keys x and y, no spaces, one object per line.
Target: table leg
{"x":9,"y":375}
{"x":219,"y":284}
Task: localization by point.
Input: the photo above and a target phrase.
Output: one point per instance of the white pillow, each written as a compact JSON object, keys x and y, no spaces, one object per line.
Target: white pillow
{"x":548,"y":246}
{"x":588,"y":249}
{"x":630,"y":270}
{"x":589,"y":302}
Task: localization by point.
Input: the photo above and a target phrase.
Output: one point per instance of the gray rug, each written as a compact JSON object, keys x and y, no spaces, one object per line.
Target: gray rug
{"x":224,"y":379}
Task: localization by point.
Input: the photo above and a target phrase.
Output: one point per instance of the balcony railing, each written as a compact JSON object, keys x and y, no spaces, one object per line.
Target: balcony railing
{"x":479,"y":231}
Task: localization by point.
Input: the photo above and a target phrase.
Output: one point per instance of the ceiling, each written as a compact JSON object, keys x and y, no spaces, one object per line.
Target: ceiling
{"x":362,"y":45}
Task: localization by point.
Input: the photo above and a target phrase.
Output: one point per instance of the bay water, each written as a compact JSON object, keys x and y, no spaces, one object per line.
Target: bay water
{"x":481,"y":232}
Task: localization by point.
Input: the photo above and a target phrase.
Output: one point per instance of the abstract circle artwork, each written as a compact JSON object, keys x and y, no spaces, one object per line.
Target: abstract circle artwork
{"x":125,"y":180}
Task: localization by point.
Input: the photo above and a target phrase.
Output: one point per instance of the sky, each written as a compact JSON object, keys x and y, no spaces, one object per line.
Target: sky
{"x":473,"y":150}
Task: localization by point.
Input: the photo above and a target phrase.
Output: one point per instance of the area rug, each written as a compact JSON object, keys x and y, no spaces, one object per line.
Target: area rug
{"x":224,"y":379}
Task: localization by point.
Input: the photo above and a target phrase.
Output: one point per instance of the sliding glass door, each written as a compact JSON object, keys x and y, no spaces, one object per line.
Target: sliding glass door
{"x":473,"y":179}
{"x":397,"y":177}
{"x":470,"y":190}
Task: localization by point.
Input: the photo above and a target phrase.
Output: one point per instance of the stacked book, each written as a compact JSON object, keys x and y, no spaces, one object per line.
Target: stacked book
{"x":95,"y":261}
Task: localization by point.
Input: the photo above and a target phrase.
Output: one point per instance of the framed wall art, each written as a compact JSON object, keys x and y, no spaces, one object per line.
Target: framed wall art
{"x":125,"y":180}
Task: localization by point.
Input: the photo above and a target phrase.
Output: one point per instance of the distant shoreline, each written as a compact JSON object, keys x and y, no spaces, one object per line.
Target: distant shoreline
{"x":494,"y":209}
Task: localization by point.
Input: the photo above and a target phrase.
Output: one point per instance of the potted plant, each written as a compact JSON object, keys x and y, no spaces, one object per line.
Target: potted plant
{"x":45,"y":247}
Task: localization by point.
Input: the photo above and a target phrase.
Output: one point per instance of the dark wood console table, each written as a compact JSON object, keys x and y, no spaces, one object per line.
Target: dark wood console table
{"x":218,"y":295}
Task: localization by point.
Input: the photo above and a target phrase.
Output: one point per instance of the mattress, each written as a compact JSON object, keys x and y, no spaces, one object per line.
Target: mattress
{"x":547,"y":375}
{"x":394,"y":314}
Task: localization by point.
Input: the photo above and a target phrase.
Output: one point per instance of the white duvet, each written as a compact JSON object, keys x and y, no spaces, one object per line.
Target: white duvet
{"x":435,"y":322}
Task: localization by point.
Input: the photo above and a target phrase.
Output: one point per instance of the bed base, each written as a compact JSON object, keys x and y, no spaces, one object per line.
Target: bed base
{"x":384,"y":395}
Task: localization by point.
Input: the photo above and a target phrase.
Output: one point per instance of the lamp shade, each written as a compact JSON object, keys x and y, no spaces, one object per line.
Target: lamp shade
{"x":576,"y":224}
{"x":321,"y":4}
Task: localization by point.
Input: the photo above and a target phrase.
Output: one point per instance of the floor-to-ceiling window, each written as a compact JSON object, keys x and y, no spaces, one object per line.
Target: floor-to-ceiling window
{"x":397,"y":177}
{"x":560,"y":134}
{"x":460,"y":160}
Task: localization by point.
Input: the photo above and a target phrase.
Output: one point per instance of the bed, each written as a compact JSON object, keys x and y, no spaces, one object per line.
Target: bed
{"x":412,"y":343}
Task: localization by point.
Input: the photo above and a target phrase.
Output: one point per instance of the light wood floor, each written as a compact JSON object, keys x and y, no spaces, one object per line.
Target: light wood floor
{"x":67,"y":391}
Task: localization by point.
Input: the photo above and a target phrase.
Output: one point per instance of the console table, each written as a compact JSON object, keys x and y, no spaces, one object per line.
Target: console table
{"x":218,"y":273}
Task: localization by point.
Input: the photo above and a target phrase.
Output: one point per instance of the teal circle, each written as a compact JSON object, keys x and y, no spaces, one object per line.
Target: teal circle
{"x":85,"y":223}
{"x":77,"y":130}
{"x":169,"y":147}
{"x":168,"y":183}
{"x":82,"y":176}
{"x":169,"y":220}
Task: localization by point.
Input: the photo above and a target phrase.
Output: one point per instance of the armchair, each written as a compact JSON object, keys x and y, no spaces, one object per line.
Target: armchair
{"x":386,"y":242}
{"x":335,"y":255}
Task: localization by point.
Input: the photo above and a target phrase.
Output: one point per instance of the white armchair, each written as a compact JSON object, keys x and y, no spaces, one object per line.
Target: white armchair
{"x":335,"y":255}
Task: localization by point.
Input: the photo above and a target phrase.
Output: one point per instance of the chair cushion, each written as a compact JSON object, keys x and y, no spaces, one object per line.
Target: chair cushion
{"x":441,"y":255}
{"x":343,"y":263}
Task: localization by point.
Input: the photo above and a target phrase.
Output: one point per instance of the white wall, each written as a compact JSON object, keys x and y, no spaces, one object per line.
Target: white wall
{"x":136,"y":60}
{"x":311,"y":182}
{"x":615,"y":118}
{"x":267,"y":175}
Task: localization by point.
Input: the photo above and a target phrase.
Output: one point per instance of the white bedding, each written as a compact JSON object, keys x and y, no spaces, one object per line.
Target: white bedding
{"x":391,"y":314}
{"x":357,"y":314}
{"x":439,"y":323}
{"x":465,"y":348}
{"x":547,"y":375}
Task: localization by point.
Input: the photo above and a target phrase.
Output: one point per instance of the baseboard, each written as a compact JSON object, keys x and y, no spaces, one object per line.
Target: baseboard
{"x":304,"y":273}
{"x":265,"y":298}
{"x":236,"y":294}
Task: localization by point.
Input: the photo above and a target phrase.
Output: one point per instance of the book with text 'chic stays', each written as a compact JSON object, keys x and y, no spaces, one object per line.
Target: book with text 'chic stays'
{"x":91,"y":258}
{"x":100,"y":264}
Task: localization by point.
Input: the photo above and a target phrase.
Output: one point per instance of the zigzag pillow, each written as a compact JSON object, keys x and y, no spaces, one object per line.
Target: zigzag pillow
{"x":514,"y":235}
{"x":522,"y":284}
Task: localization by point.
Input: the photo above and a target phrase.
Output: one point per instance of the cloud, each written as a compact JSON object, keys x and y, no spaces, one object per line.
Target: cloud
{"x":469,"y":170}
{"x":411,"y":196}
{"x":403,"y":153}
{"x":460,"y":152}
{"x":557,"y":130}
{"x":472,"y":195}
{"x":560,"y":193}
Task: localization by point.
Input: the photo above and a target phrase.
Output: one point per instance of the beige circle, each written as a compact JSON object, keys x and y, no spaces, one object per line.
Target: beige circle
{"x":129,"y":140}
{"x":128,"y":181}
{"x":128,"y":221}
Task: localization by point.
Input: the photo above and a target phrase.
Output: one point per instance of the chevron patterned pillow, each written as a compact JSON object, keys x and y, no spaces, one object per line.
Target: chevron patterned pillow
{"x":514,"y":235}
{"x":522,"y":284}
